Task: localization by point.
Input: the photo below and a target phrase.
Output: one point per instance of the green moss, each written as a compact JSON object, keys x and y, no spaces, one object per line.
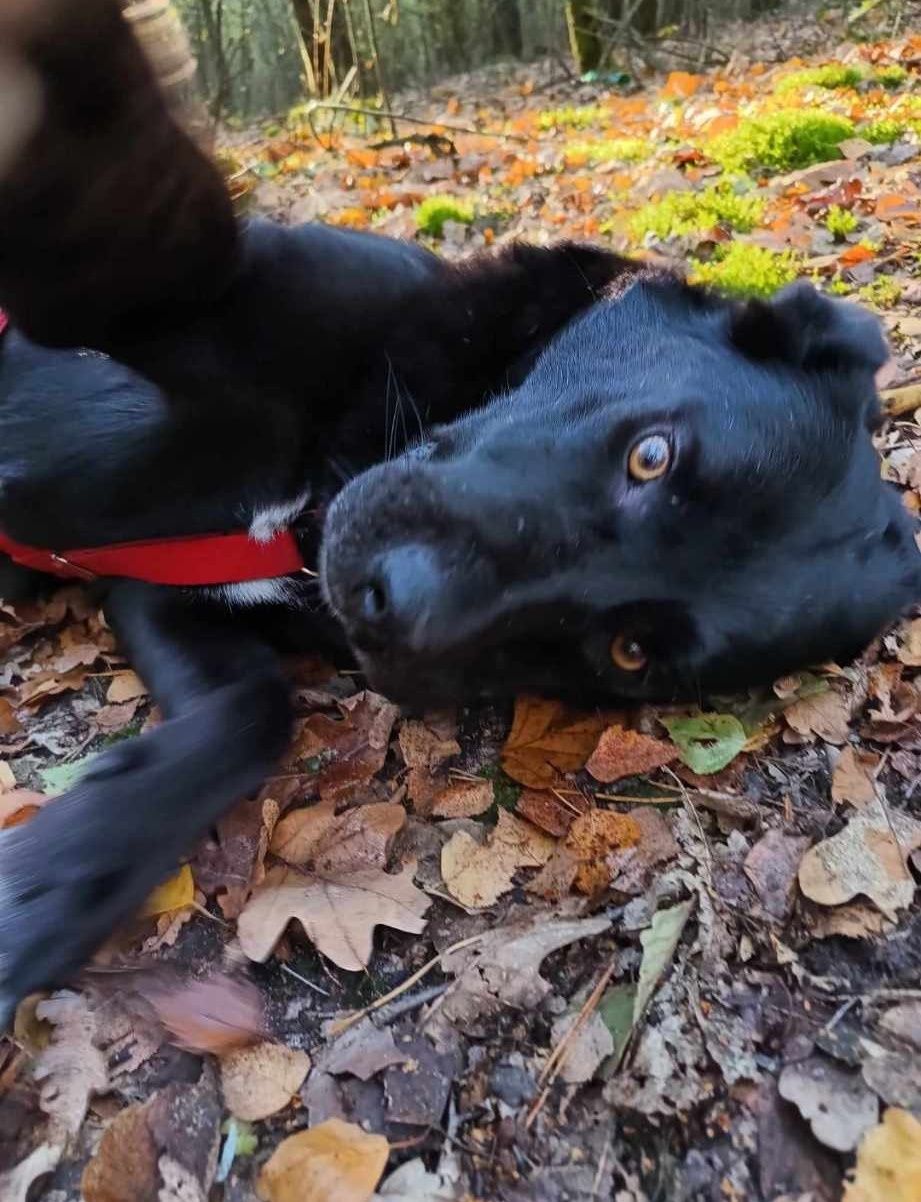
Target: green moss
{"x":611,"y":150}
{"x":840,"y":222}
{"x":883,"y":292}
{"x":781,"y":141}
{"x":580,"y":117}
{"x":434,"y":211}
{"x":832,"y":75}
{"x":505,"y":791}
{"x":890,"y":77}
{"x":743,"y":269}
{"x":689,"y":212}
{"x":887,"y":129}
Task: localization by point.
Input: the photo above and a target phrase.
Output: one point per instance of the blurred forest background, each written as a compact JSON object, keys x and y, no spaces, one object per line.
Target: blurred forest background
{"x":261,"y":56}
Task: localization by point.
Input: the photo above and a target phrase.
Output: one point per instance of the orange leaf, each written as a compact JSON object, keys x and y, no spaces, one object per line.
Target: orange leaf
{"x":859,"y":253}
{"x":623,"y":753}
{"x":681,"y":85}
{"x":334,"y":1160}
{"x":547,"y":740}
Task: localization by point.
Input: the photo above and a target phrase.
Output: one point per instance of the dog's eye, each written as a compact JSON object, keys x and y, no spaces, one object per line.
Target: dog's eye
{"x":650,"y":458}
{"x":628,"y":654}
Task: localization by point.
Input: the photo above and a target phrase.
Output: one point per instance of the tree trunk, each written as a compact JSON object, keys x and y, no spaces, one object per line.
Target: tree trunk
{"x":584,"y":34}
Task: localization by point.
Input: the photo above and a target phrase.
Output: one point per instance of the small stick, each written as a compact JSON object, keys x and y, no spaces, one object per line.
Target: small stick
{"x":391,"y":116}
{"x":343,"y":1024}
{"x":560,"y":1053}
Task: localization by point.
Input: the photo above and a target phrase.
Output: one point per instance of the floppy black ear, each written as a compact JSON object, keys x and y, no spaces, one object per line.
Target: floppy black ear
{"x":803,"y":327}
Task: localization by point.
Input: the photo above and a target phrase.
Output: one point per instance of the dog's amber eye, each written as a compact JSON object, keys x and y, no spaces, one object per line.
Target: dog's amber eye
{"x":650,"y":458}
{"x":628,"y":654}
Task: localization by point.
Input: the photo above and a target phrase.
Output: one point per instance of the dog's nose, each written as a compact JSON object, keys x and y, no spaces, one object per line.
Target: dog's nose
{"x":399,"y":592}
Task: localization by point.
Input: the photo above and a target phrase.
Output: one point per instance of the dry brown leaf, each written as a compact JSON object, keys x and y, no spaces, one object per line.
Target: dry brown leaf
{"x":551,"y":813}
{"x":354,"y":747}
{"x":334,"y":845}
{"x":235,"y":864}
{"x":339,"y":917}
{"x":261,"y":1080}
{"x":124,"y":1168}
{"x":888,"y":1161}
{"x":909,"y":652}
{"x":116,"y":717}
{"x":868,"y":857}
{"x":9,"y":723}
{"x":825,"y":715}
{"x":217,"y":1015}
{"x":333,"y":1162}
{"x":631,"y":868}
{"x":362,"y":1051}
{"x":621,"y":753}
{"x":423,"y":747}
{"x":45,"y":685}
{"x":853,"y":779}
{"x":593,"y":837}
{"x":547,"y":740}
{"x":125,"y":686}
{"x":463,"y":799}
{"x":477,"y":875}
{"x":771,"y":866}
{"x":858,"y":920}
{"x":71,"y":1068}
{"x":19,"y":805}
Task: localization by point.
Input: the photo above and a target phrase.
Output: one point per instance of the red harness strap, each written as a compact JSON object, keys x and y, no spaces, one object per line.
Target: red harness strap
{"x":197,"y":560}
{"x":206,"y":559}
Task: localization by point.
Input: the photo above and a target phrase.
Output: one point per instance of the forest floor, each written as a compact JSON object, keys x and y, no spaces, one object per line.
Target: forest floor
{"x":535,"y":956}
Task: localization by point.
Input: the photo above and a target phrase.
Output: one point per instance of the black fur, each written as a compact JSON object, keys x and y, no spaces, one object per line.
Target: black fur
{"x":502,"y":551}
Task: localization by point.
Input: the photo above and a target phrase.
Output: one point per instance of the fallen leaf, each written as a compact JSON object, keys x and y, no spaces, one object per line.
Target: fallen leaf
{"x":550,"y":813}
{"x":772,"y":866}
{"x":834,"y":1101}
{"x":659,"y":942}
{"x":352,"y":749}
{"x":464,"y":799}
{"x":362,"y":1051}
{"x":9,"y":723}
{"x":335,"y":845}
{"x":412,"y":1182}
{"x":178,"y":893}
{"x":621,"y":753}
{"x":477,"y":875}
{"x":72,"y":1068}
{"x":339,"y":917}
{"x":867,"y":857}
{"x":232,"y":866}
{"x":61,"y":777}
{"x":859,"y":920}
{"x":894,"y":1076}
{"x":423,"y":747}
{"x":592,"y":837}
{"x":18,"y":806}
{"x":854,"y":777}
{"x":707,"y":742}
{"x":547,"y":740}
{"x":824,"y":715}
{"x":333,"y":1161}
{"x":217,"y":1014}
{"x":125,"y":686}
{"x":45,"y":685}
{"x":591,"y":1045}
{"x":503,"y":969}
{"x":904,"y":1021}
{"x":888,"y":1161}
{"x":260,"y":1080}
{"x":631,"y":868}
{"x":124,"y":1167}
{"x":909,"y":651}
{"x":897,"y":401}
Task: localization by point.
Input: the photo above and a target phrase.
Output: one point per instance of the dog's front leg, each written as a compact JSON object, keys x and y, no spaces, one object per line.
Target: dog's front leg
{"x":86,"y":861}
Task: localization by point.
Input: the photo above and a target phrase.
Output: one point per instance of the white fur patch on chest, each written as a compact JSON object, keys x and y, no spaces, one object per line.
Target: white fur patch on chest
{"x":266,"y":523}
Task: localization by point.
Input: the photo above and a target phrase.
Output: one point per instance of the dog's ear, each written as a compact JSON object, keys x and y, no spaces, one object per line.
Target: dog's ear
{"x":803,"y":327}
{"x":491,"y":315}
{"x":111,"y":217}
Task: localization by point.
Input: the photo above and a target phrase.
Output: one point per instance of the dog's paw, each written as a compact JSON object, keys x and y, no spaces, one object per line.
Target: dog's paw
{"x":62,"y":893}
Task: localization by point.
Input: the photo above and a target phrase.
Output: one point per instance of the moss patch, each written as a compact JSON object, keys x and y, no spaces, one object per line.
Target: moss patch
{"x":610,"y":150}
{"x":832,"y":75}
{"x":691,"y":212}
{"x":434,"y":211}
{"x":887,"y":129}
{"x":578,"y":117}
{"x":781,"y":141}
{"x":882,"y":293}
{"x":742,"y":269}
{"x":840,"y":222}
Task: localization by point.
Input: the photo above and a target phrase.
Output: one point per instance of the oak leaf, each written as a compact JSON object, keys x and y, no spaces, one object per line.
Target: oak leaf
{"x":338,"y":916}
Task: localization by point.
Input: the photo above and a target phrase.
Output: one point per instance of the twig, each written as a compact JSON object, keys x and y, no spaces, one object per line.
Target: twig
{"x":392,"y":116}
{"x":397,"y":1009}
{"x":303,"y":980}
{"x":560,"y":1053}
{"x":343,"y":1024}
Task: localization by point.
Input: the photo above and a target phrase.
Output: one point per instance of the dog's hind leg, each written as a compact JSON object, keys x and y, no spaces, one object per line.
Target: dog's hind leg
{"x":89,"y":858}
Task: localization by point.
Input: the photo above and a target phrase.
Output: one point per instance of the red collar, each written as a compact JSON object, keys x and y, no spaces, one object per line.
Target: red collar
{"x":205,"y":559}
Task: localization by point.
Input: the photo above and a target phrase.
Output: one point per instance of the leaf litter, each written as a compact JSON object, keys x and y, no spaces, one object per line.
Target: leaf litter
{"x":744,"y":872}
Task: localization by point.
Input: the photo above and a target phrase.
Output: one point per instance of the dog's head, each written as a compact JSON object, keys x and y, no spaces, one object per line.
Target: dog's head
{"x":683,"y":496}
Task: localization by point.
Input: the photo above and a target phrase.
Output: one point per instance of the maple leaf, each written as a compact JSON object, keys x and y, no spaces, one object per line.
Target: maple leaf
{"x":338,"y":917}
{"x":547,"y":740}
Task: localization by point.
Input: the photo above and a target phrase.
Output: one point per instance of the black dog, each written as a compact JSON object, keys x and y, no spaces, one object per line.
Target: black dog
{"x":680,"y":494}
